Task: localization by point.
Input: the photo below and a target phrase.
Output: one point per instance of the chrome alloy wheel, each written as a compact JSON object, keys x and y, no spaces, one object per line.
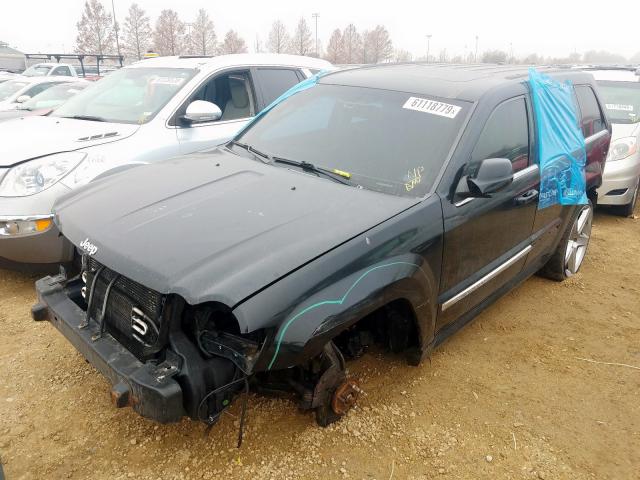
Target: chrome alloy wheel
{"x":578,"y":241}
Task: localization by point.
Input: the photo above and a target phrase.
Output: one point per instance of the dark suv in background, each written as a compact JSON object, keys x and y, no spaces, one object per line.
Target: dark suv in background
{"x":385,"y":204}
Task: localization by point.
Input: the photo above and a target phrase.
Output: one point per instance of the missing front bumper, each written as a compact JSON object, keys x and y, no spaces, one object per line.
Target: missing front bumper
{"x":148,"y":388}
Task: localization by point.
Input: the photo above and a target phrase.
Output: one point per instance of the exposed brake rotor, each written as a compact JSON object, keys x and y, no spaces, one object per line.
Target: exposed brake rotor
{"x":345,"y":396}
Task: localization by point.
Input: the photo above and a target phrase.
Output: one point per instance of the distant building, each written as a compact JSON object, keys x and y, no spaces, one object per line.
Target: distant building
{"x":11,"y":60}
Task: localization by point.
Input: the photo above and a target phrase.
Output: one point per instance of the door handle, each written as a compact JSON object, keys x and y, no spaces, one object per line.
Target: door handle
{"x":527,"y":197}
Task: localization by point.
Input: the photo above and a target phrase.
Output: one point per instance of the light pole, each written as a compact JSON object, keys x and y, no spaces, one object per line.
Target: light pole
{"x":476,"y":55}
{"x":315,"y":16}
{"x":428,"y":46}
{"x":115,"y":25}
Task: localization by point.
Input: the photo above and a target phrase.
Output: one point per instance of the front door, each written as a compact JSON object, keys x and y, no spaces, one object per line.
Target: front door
{"x":234,"y":93}
{"x":486,"y":240}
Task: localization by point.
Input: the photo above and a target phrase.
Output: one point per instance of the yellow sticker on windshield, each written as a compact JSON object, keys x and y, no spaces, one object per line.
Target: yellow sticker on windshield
{"x":414,"y":178}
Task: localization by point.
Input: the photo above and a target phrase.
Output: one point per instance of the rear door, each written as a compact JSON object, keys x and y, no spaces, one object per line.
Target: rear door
{"x":274,"y":81}
{"x":486,"y":240}
{"x":551,"y":221}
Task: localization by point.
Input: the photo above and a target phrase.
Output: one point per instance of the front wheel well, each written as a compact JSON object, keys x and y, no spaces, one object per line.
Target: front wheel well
{"x":393,"y":326}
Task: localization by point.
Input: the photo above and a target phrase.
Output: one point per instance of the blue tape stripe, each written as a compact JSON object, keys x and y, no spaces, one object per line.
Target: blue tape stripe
{"x":332,"y":302}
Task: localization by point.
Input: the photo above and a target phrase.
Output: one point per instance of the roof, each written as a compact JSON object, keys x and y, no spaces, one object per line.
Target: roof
{"x":464,"y":82}
{"x":43,"y":79}
{"x":212,"y":63}
{"x":615,"y":74}
{"x":5,"y":49}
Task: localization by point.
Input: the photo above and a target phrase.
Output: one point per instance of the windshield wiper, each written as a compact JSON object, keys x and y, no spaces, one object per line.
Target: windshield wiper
{"x":91,"y":118}
{"x":342,"y":177}
{"x":266,"y":158}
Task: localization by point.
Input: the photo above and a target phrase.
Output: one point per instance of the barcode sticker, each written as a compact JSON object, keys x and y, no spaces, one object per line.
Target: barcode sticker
{"x":432,"y":106}
{"x":617,"y":106}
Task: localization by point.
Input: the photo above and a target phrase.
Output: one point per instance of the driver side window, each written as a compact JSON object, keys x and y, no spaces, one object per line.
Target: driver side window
{"x":232,"y":92}
{"x":505,"y":135}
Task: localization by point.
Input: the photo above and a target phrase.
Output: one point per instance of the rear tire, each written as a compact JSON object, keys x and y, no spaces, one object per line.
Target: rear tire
{"x":572,"y":249}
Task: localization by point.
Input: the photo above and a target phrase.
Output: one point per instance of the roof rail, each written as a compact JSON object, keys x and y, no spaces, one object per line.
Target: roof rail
{"x":196,"y":56}
{"x":77,"y":56}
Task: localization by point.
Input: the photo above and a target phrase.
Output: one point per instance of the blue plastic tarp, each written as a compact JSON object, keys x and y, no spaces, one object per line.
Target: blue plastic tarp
{"x":561,"y":145}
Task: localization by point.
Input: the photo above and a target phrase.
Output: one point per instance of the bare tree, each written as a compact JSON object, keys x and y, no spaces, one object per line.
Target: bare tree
{"x":335,"y":47}
{"x":402,"y":56}
{"x":232,"y":43}
{"x":95,"y":30}
{"x":377,"y":45}
{"x":301,"y":42}
{"x":168,"y":37}
{"x":352,"y":43}
{"x":443,"y":57}
{"x":137,"y":32}
{"x":203,"y":38}
{"x":494,"y":56}
{"x":602,"y":56}
{"x":278,"y":38}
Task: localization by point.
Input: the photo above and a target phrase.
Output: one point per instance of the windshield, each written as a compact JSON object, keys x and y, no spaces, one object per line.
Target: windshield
{"x":10,"y":87}
{"x":36,"y":71}
{"x":130,"y":95}
{"x":382,"y":140}
{"x":53,"y":97}
{"x":622,"y":100}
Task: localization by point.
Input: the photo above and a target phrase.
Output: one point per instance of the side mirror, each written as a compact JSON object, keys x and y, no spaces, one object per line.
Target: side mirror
{"x":493,"y":174}
{"x":23,"y":98}
{"x":200,"y":111}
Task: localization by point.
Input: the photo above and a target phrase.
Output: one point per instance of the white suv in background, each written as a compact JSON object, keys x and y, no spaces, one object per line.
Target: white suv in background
{"x":620,"y":90}
{"x":50,"y":69}
{"x":149,"y":111}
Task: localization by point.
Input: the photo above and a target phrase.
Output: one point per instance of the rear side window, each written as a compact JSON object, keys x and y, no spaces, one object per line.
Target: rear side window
{"x":275,"y":81}
{"x":505,"y":135}
{"x":592,"y":119}
{"x":62,"y":71}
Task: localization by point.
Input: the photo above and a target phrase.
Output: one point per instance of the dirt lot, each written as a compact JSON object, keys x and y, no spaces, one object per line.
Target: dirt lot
{"x":507,"y":397}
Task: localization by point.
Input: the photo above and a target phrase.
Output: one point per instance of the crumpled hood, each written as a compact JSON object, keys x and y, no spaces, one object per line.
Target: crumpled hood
{"x":216,"y":226}
{"x":31,"y":137}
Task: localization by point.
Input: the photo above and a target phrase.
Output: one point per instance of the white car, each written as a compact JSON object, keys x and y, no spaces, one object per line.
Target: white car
{"x":152,"y":110}
{"x":620,"y":90}
{"x":20,"y":89}
{"x":50,"y":70}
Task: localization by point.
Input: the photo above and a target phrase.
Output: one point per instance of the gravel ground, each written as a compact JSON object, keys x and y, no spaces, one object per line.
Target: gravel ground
{"x":510,"y":396}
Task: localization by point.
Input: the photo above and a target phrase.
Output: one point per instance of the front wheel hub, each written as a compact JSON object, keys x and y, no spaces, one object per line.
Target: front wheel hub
{"x":345,"y":397}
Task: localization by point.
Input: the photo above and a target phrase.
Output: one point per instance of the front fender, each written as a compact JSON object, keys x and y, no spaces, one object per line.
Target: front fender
{"x":340,"y":305}
{"x":398,"y":259}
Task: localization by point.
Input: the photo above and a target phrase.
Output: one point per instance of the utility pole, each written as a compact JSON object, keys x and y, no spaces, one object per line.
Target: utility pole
{"x":315,"y":16}
{"x":476,"y":55}
{"x":428,"y":46}
{"x":511,"y":50}
{"x":115,"y":25}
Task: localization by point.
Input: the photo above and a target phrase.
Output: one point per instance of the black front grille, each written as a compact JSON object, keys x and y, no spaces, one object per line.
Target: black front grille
{"x":124,"y":296}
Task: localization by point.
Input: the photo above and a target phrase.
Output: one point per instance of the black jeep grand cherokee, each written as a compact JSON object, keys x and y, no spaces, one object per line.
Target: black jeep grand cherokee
{"x":385,"y":204}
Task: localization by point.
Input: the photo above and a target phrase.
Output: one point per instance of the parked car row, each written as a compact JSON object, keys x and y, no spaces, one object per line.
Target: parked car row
{"x":208,"y":250}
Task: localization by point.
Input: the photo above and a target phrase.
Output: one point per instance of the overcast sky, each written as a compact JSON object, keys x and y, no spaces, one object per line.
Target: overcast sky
{"x":547,"y":27}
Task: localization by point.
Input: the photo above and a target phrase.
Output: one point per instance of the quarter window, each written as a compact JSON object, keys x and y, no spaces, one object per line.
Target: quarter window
{"x":592,"y":119}
{"x":505,"y":135}
{"x":275,"y":81}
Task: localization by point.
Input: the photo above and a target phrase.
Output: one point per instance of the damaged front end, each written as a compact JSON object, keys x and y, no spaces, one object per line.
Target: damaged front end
{"x":167,"y":359}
